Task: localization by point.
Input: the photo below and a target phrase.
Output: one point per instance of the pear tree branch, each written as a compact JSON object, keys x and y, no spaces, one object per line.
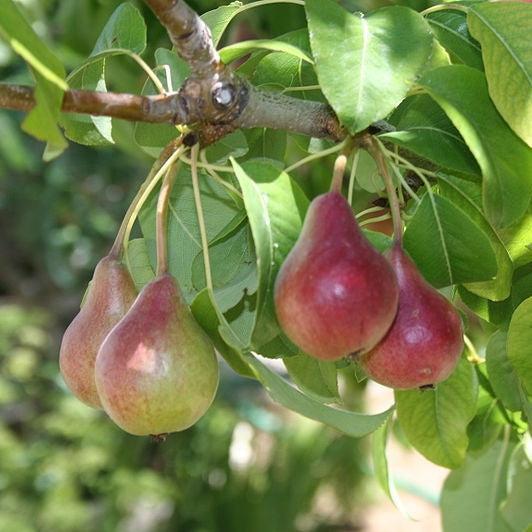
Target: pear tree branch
{"x":213,"y":100}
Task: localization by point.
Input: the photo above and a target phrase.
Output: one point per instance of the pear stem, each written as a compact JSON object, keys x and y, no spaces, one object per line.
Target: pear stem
{"x":352,"y":176}
{"x":375,"y":151}
{"x":338,"y":173}
{"x":156,"y":172}
{"x":201,"y":218}
{"x":161,"y":221}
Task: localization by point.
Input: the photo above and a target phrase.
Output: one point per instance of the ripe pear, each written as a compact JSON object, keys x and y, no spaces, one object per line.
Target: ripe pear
{"x":109,"y":297}
{"x":157,"y":372}
{"x":425,"y":342}
{"x":335,"y":295}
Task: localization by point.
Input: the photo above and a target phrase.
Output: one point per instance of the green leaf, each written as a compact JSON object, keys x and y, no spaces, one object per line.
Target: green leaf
{"x":424,"y":129}
{"x":314,"y":377}
{"x":264,"y":142}
{"x":468,"y":197}
{"x":450,"y":27}
{"x":519,"y":344}
{"x":367,"y":174}
{"x":124,"y":33}
{"x":501,"y":373}
{"x":374,"y":61}
{"x":471,"y":495}
{"x":218,"y":19}
{"x":237,"y":50}
{"x":80,"y":128}
{"x":503,"y":157}
{"x":516,"y":509}
{"x":183,"y":233}
{"x":281,"y":71}
{"x":380,"y":241}
{"x":138,"y":263}
{"x":487,"y":423}
{"x":41,"y":121}
{"x":447,"y":246}
{"x":522,"y":285}
{"x":504,"y":30}
{"x":518,"y":240}
{"x":276,"y":207}
{"x":211,"y":320}
{"x":435,"y":421}
{"x":233,"y":266}
{"x":351,"y":423}
{"x":124,"y":29}
{"x":233,"y":145}
{"x":379,"y":441}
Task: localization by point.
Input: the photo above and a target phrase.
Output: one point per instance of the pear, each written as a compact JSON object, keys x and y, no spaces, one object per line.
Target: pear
{"x":109,"y":297}
{"x":157,"y":372}
{"x":425,"y":342}
{"x":335,"y":295}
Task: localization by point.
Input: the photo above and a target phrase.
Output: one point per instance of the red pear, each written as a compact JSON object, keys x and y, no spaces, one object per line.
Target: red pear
{"x":335,"y":294}
{"x":157,"y":371}
{"x":425,"y":341}
{"x":109,"y":297}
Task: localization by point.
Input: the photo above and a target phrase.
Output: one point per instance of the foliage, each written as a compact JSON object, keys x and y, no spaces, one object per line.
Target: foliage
{"x":455,"y":83}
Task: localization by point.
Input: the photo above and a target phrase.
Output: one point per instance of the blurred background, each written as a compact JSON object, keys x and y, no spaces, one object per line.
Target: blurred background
{"x":247,"y":465}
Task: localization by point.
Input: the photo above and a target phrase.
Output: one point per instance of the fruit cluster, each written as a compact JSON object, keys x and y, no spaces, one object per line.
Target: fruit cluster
{"x":336,"y":296}
{"x":143,"y":358}
{"x":149,"y":365}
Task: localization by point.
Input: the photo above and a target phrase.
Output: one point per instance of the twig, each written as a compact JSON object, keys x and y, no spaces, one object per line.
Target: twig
{"x":153,"y":109}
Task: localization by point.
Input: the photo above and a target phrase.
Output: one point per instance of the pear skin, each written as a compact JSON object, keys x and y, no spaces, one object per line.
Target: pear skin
{"x":425,"y":342}
{"x":110,"y":295}
{"x":335,"y":295}
{"x":157,"y":371}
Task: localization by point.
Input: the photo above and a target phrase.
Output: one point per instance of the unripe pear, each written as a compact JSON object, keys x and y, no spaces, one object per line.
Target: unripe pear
{"x":109,"y":297}
{"x":425,"y":342}
{"x":157,"y":372}
{"x":335,"y":295}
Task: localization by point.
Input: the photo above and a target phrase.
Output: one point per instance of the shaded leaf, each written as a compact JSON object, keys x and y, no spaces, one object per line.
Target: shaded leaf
{"x":504,"y":30}
{"x":447,"y":246}
{"x":450,"y":27}
{"x":379,"y":442}
{"x":314,"y":377}
{"x":468,"y":197}
{"x":206,"y":314}
{"x":503,"y":157}
{"x":424,"y":129}
{"x":516,"y":509}
{"x":501,"y":373}
{"x":183,"y":233}
{"x":138,"y":263}
{"x":519,"y":343}
{"x":435,"y":421}
{"x":471,"y":495}
{"x":351,"y":423}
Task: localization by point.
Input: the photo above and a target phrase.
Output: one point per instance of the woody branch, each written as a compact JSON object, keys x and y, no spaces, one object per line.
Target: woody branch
{"x":213,"y":100}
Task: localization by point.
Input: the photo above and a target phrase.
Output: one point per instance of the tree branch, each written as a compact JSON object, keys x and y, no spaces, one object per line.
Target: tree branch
{"x":213,"y":100}
{"x":188,"y":33}
{"x":155,"y":109}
